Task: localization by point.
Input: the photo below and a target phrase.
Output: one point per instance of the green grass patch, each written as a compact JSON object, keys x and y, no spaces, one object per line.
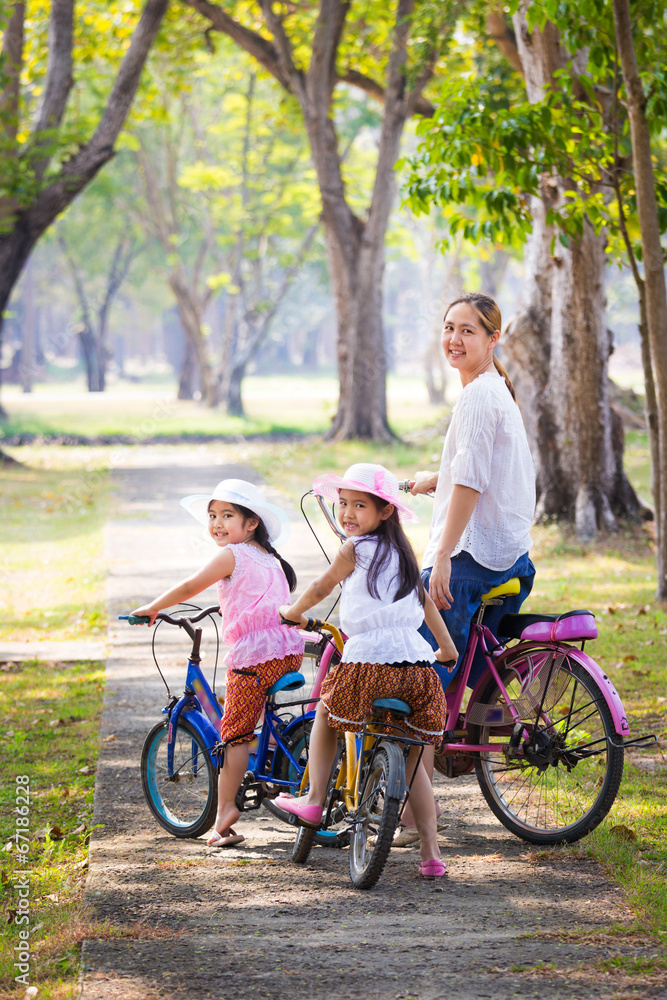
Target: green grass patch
{"x":274,"y":405}
{"x":50,"y":717}
{"x":54,"y":508}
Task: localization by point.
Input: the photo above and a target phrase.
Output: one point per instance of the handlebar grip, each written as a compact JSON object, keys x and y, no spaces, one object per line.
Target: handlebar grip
{"x":288,"y":621}
{"x":135,"y":619}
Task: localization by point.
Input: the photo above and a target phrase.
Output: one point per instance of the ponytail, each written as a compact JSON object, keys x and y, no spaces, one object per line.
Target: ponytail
{"x":261,"y":536}
{"x":508,"y":382}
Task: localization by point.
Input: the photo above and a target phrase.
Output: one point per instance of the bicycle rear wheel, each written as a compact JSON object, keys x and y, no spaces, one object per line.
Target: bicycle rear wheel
{"x":325,"y":838}
{"x":557,"y":778}
{"x":376,"y":815}
{"x":185,"y":803}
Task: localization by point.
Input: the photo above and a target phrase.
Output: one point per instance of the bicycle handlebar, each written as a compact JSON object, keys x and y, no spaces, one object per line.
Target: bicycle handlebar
{"x":317,"y":625}
{"x":161,"y":616}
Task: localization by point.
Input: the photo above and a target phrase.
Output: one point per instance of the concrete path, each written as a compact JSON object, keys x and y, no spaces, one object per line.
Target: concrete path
{"x":182,"y":922}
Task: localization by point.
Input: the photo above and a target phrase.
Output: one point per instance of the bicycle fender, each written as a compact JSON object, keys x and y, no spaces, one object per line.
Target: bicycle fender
{"x":605,"y":684}
{"x":202,"y":724}
{"x":296,"y":721}
{"x":199,"y":722}
{"x":603,"y":681}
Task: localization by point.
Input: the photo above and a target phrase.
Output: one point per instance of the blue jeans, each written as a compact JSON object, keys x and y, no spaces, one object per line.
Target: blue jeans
{"x":469,"y":580}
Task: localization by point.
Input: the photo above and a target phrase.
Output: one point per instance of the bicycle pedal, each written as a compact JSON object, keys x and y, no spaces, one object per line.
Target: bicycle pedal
{"x":454,"y":734}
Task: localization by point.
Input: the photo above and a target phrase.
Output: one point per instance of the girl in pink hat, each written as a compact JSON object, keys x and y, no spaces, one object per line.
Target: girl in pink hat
{"x":383,"y":605}
{"x":252,"y":580}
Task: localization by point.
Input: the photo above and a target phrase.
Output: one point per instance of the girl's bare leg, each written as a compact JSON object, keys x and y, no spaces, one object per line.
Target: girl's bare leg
{"x":229,"y":780}
{"x":423,"y":807}
{"x":323,"y":743}
{"x":408,"y":818}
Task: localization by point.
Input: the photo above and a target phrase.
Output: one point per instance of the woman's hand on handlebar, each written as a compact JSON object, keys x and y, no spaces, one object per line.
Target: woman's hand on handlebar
{"x":287,"y":617}
{"x":424,"y":482}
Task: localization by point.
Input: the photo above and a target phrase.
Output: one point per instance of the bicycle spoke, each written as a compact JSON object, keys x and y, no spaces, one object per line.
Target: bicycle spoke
{"x":543,"y":787}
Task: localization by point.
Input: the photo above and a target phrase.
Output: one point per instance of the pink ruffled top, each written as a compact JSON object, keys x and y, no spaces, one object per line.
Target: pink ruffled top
{"x":249,"y":601}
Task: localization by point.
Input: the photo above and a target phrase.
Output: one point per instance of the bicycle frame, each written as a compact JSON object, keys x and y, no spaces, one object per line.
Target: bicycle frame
{"x":201,"y":708}
{"x":481,"y":636}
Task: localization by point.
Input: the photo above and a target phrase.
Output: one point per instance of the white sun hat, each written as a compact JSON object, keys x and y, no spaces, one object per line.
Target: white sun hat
{"x":365,"y":477}
{"x":244,"y":494}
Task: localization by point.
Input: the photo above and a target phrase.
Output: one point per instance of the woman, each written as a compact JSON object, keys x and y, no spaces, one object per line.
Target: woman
{"x":485,"y":489}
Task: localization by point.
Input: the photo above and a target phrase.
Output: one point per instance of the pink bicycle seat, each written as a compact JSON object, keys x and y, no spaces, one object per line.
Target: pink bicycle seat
{"x":567,"y":627}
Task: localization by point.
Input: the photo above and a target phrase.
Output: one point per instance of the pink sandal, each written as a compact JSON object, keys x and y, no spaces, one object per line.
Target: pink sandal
{"x":435,"y":868}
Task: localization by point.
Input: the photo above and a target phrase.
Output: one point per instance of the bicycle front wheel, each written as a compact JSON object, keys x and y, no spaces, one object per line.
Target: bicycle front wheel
{"x":559,"y":772}
{"x":376,"y":815}
{"x":184,"y":803}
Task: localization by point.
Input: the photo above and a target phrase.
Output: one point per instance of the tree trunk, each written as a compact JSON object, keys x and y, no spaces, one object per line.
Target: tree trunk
{"x":654,"y":274}
{"x":190,"y":315}
{"x":558,"y":347}
{"x":355,"y":249}
{"x":188,"y":375}
{"x":233,"y":397}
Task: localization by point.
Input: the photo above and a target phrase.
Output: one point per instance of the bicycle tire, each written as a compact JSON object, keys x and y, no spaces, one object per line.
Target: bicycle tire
{"x":305,"y":838}
{"x":556,"y":793}
{"x":186,"y":806}
{"x":286,"y":771}
{"x":377,"y":814}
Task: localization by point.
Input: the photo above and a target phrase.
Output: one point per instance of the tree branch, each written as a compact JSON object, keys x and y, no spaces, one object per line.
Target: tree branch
{"x":250,"y":41}
{"x":374,"y":89}
{"x":12,"y":61}
{"x":501,"y":33}
{"x":82,"y":167}
{"x":59,"y":79}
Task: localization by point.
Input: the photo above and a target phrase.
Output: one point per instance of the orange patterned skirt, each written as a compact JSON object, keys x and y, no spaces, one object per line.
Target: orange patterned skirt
{"x":245,"y":695}
{"x":348,"y":692}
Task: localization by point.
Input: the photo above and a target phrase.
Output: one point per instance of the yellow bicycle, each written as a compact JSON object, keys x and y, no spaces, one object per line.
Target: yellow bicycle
{"x":367,"y":788}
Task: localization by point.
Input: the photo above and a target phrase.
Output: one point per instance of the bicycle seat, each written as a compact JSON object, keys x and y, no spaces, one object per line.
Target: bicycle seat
{"x":288,"y":682}
{"x":549,"y":628}
{"x":507,"y":589}
{"x":393,"y":705}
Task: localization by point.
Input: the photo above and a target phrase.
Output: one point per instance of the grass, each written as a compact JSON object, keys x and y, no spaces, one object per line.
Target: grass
{"x":54,"y":508}
{"x":52,"y":567}
{"x":274,"y":405}
{"x":50,"y":716}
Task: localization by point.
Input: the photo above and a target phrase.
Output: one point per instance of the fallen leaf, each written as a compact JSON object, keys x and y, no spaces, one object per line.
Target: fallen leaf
{"x":109,"y":738}
{"x":84,"y":770}
{"x":52,"y":895}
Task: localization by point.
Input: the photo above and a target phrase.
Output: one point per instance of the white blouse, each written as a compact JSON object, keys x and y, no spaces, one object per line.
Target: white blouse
{"x":378,"y":630}
{"x":486,"y":449}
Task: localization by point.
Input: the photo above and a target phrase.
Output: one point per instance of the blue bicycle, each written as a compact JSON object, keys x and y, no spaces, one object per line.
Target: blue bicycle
{"x":182,"y":754}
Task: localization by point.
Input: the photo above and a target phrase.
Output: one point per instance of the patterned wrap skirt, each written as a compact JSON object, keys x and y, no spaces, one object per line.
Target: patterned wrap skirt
{"x":245,"y":695}
{"x":348,"y":692}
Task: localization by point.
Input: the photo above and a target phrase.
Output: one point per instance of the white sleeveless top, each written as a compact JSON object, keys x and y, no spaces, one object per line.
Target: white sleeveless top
{"x":378,"y":630}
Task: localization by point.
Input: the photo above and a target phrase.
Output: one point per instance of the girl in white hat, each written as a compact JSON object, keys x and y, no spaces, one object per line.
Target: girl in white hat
{"x":382,"y":606}
{"x":252,"y":581}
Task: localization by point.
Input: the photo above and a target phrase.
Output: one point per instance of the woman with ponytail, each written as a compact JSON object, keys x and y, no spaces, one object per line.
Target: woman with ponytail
{"x":252,"y":580}
{"x":485,"y":489}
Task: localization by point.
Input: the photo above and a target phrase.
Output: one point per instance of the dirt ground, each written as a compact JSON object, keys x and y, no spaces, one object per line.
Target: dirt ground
{"x":191,"y":923}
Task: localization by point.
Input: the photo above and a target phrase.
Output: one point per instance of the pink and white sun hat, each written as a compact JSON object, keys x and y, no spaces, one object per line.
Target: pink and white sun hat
{"x":243,"y":494}
{"x":365,"y":477}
